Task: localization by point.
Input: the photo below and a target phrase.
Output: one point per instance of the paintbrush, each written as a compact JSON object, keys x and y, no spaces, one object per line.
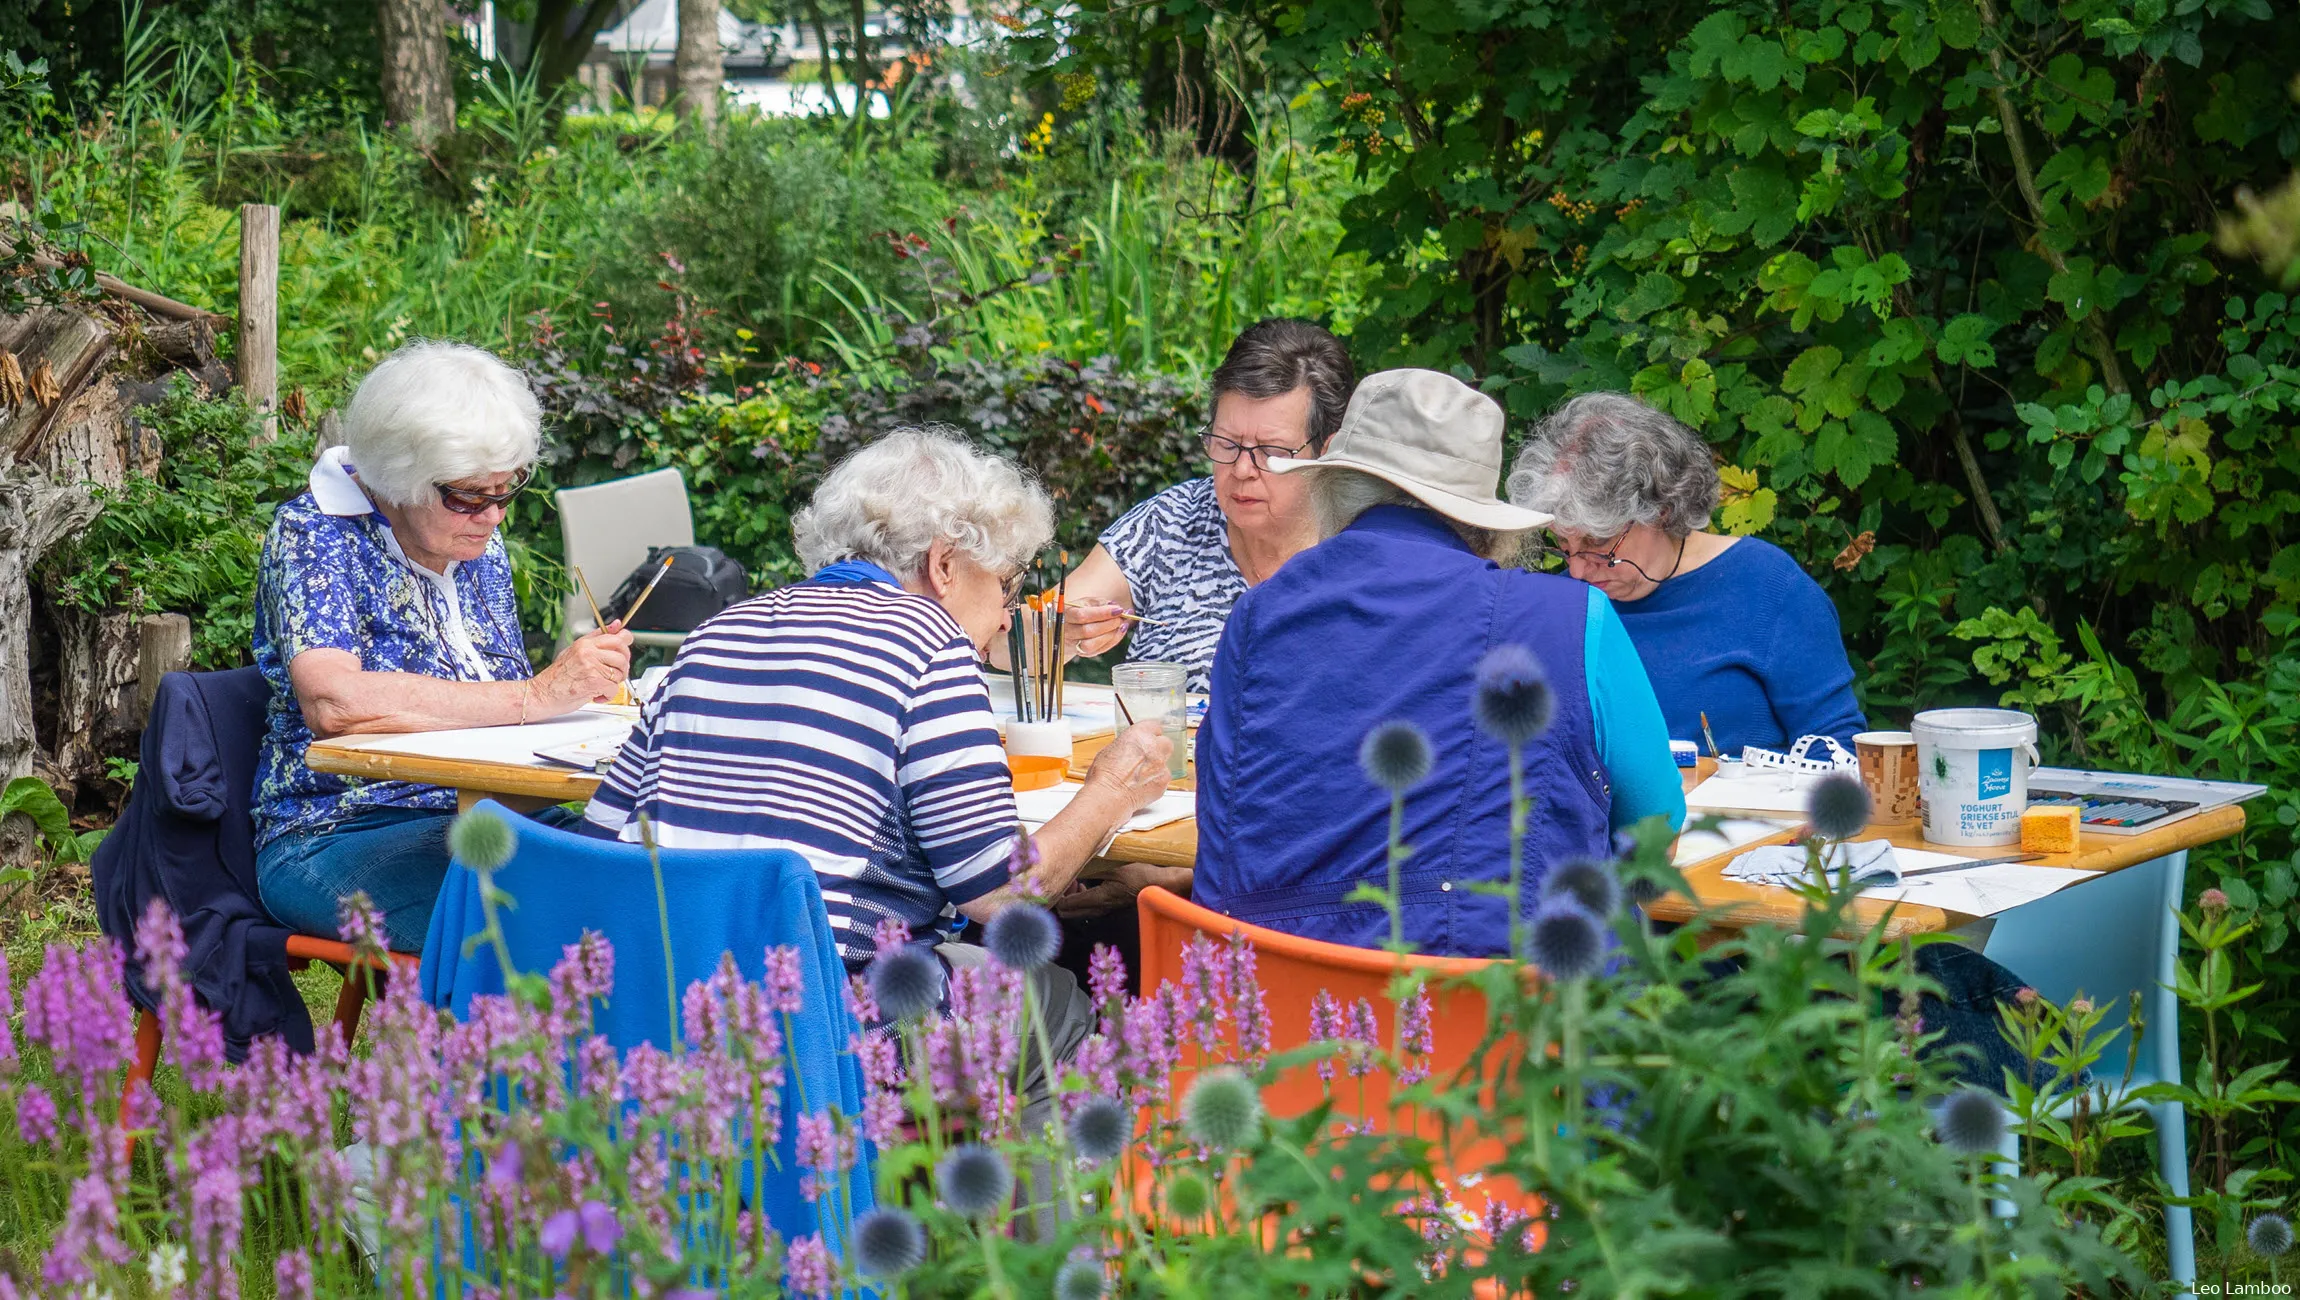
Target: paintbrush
{"x":588,"y":598}
{"x":647,"y":591}
{"x":1709,"y":736}
{"x":1061,"y":608}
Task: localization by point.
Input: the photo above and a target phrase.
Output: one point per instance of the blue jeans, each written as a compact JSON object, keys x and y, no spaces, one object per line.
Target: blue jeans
{"x":398,"y":856}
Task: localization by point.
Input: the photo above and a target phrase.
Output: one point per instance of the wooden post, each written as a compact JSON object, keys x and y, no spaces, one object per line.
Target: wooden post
{"x":259,"y":355}
{"x":163,"y":646}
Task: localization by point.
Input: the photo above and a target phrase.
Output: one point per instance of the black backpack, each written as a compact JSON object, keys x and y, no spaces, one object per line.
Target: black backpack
{"x":701,"y":582}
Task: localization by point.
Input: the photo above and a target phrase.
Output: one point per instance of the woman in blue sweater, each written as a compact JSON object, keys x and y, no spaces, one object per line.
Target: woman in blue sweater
{"x":1727,"y":626}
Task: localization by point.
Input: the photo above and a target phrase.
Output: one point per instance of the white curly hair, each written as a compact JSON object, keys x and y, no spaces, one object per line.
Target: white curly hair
{"x":434,"y":413}
{"x":890,"y":501}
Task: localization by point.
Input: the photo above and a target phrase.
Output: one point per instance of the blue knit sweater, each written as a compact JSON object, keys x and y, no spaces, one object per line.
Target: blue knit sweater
{"x":1753,"y":641}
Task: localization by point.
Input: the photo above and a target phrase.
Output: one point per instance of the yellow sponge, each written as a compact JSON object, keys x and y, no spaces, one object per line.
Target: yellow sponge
{"x":2050,"y":829}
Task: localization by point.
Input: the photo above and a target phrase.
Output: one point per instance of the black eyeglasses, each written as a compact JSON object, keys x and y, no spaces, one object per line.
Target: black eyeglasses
{"x":465,"y":501}
{"x":1610,"y":557}
{"x":1010,"y":591}
{"x":1225,"y":451}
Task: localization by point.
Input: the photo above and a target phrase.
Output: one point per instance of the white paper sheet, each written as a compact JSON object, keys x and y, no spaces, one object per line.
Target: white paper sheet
{"x":1737,"y":790}
{"x":511,"y":744}
{"x":1982,"y":891}
{"x":1038,"y":807}
{"x":1731,"y":833}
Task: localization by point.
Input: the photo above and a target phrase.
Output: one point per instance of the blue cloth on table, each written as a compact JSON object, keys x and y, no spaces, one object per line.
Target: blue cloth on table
{"x":186,"y":836}
{"x":1752,"y":640}
{"x":720,"y":900}
{"x":1388,"y":619}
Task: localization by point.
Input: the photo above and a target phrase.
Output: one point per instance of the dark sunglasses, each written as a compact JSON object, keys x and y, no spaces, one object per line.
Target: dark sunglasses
{"x":464,"y":501}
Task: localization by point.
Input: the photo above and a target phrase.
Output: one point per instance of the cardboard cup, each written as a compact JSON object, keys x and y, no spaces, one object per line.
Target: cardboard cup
{"x":1889,"y":771}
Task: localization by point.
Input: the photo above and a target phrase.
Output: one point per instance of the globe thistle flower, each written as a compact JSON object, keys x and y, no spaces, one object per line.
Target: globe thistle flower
{"x":1022,"y":936}
{"x":1099,"y":1129}
{"x":1395,"y":756}
{"x":2269,"y":1235}
{"x":1565,"y":942}
{"x":1512,"y":701}
{"x":888,"y":1243}
{"x":1222,"y":1111}
{"x":1592,"y":885}
{"x":905,"y":982}
{"x":1081,"y":1279}
{"x":1972,"y":1123}
{"x":481,"y":840}
{"x":1838,"y":807}
{"x":974,"y":1180}
{"x":1186,"y":1195}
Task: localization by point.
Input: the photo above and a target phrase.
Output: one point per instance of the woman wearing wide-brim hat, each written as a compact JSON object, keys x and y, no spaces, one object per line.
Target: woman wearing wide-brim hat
{"x":1388,"y":618}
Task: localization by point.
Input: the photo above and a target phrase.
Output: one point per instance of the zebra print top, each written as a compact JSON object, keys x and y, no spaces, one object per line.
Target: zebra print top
{"x":1174,"y":551}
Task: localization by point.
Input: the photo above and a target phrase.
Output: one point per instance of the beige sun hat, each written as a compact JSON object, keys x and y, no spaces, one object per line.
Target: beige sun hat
{"x":1431,"y":436}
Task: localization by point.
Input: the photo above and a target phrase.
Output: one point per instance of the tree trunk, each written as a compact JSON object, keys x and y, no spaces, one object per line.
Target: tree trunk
{"x":416,"y":91}
{"x":697,"y":67}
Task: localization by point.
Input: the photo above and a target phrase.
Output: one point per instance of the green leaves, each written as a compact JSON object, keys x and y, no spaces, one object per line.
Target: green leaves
{"x":1965,"y":342}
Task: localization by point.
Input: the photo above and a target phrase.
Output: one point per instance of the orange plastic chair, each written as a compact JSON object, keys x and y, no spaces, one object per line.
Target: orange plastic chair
{"x":1292,"y":970}
{"x":302,"y":951}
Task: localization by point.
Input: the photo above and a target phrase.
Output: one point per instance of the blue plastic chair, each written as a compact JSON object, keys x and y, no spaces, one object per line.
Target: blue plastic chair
{"x":2107,"y":938}
{"x":720,"y":901}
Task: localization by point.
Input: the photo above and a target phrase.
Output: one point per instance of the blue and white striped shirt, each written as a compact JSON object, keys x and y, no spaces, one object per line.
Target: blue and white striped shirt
{"x":844,"y":720}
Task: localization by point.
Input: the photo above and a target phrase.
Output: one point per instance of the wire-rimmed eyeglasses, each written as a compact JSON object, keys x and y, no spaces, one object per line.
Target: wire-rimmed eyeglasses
{"x":1225,"y":451}
{"x":1554,"y":558}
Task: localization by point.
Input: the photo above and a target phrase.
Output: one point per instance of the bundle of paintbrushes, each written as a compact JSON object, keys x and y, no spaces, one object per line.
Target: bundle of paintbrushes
{"x":1034,"y":647}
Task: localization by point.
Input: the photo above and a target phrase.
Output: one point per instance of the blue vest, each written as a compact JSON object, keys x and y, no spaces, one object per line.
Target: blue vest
{"x":1388,"y":619}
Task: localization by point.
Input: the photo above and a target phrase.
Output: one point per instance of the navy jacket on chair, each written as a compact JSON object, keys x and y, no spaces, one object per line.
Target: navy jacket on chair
{"x":187,"y":836}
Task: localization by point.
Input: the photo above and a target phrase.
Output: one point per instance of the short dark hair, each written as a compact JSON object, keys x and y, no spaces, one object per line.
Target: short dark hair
{"x":1276,"y":356}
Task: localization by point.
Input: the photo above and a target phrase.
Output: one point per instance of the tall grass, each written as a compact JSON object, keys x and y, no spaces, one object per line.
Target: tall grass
{"x":1157,"y":266}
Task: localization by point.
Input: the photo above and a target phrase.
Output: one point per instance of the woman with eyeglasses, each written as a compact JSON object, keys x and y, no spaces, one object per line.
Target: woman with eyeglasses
{"x":1181,"y":559}
{"x":1728,"y":626}
{"x":384,"y":603}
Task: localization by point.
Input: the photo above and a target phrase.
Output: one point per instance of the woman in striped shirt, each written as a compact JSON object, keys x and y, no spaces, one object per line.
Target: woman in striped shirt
{"x":845,"y":717}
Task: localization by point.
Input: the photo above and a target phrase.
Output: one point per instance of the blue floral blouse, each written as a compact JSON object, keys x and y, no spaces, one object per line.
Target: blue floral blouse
{"x":331,"y":579}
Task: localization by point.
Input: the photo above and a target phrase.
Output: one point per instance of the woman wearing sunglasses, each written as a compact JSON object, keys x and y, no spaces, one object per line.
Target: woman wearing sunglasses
{"x":1181,"y":559}
{"x":1728,"y":626}
{"x":384,"y":604}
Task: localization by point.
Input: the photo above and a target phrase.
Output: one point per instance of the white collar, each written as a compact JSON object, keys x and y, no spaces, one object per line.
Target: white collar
{"x":333,"y":488}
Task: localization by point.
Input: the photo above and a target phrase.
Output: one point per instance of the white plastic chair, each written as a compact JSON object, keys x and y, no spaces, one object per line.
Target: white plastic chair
{"x":606,"y":530}
{"x":2106,"y":938}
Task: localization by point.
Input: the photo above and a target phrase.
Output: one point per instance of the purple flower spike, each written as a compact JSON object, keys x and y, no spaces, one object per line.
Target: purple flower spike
{"x":809,"y":1268}
{"x":600,"y":1229}
{"x":785,"y":986}
{"x":558,"y":1234}
{"x":35,"y":1115}
{"x":76,"y":1008}
{"x":291,"y":1276}
{"x":503,"y":1172}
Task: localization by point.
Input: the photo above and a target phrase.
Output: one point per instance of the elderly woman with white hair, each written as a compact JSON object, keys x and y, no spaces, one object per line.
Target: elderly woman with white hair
{"x":1727,"y":626}
{"x":845,"y":717}
{"x":384,"y":603}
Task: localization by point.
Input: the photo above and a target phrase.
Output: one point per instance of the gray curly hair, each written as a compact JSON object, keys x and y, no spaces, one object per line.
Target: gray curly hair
{"x":892,"y":500}
{"x":1605,"y":461}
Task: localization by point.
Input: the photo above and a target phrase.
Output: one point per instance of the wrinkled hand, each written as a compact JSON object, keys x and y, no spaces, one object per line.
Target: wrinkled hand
{"x":1108,"y":887}
{"x":1133,"y":766}
{"x":1093,"y":626}
{"x":592,"y":669}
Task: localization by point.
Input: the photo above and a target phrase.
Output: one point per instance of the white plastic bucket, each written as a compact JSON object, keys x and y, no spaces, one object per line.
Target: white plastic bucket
{"x":1972,"y":773}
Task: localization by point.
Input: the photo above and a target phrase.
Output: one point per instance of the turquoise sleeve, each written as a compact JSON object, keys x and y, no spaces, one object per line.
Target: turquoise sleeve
{"x":1632,"y":740}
